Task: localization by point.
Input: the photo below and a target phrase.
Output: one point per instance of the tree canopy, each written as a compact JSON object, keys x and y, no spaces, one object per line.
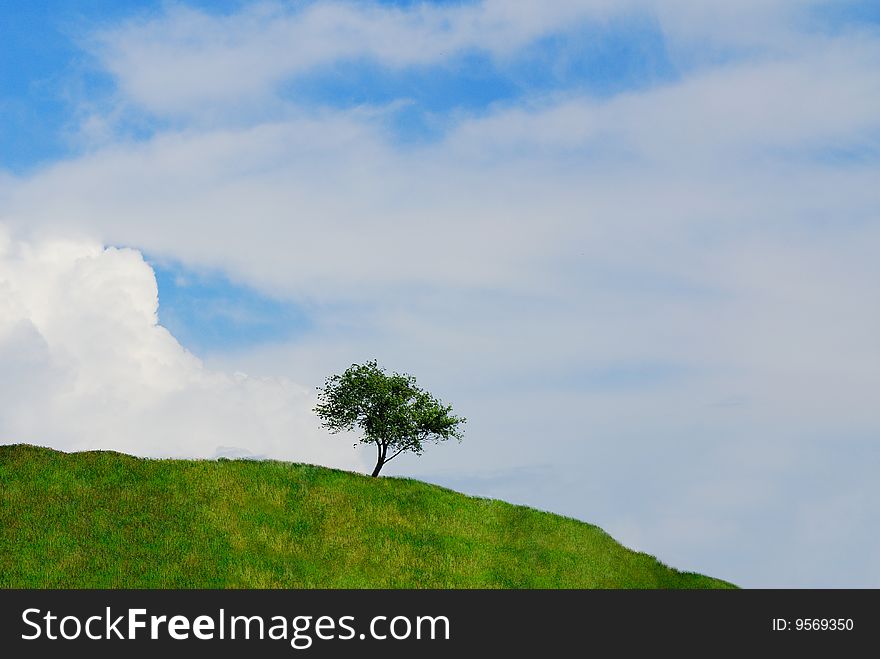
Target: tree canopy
{"x":392,"y":411}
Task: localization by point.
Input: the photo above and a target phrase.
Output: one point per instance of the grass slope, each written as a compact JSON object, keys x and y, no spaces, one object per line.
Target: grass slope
{"x":107,"y":520}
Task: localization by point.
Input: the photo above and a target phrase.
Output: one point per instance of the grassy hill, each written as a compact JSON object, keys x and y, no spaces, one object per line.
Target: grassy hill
{"x":107,"y":520}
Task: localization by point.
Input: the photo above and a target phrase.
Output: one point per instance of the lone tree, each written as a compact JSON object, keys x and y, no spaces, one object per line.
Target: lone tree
{"x":391,"y":410}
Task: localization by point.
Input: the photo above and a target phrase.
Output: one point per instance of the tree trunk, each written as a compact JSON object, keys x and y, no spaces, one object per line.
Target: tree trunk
{"x":382,"y":450}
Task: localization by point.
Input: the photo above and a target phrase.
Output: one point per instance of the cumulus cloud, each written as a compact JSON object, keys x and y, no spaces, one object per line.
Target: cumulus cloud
{"x":87,"y":366}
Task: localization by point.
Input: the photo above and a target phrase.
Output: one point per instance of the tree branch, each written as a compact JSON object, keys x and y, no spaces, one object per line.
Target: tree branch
{"x":395,"y":455}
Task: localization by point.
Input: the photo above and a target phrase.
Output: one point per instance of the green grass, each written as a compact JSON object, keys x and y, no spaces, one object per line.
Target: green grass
{"x":107,"y":520}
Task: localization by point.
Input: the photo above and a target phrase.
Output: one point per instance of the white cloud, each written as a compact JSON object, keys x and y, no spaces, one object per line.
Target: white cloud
{"x":185,"y":60}
{"x":86,"y":366}
{"x":826,"y":95}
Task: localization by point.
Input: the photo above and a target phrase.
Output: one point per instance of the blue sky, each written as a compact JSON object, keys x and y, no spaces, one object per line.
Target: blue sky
{"x":44,"y":72}
{"x":207,"y":312}
{"x":641,"y":233}
{"x":591,"y":59}
{"x":47,"y":75}
{"x":41,"y":67}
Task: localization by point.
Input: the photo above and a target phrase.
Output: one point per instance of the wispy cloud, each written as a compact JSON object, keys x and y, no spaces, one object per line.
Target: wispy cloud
{"x":186,"y":60}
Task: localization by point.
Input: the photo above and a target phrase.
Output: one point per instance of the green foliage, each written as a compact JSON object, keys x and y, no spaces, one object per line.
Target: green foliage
{"x":392,"y":411}
{"x":106,"y":520}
